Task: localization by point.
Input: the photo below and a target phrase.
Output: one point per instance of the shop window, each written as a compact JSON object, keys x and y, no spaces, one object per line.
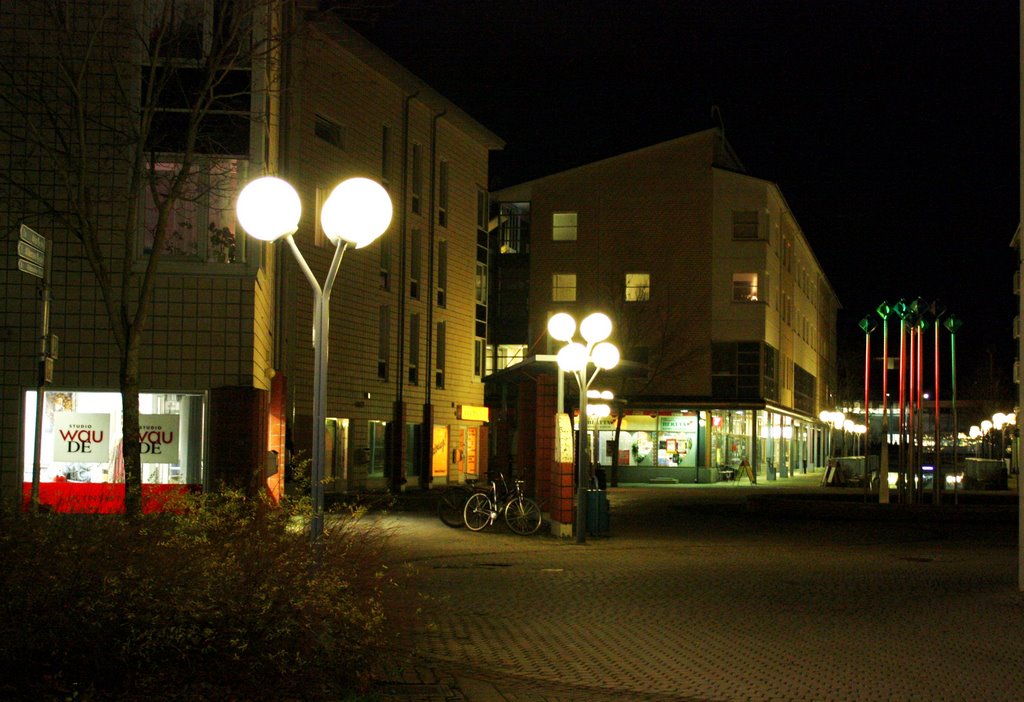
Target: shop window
{"x":81,"y":446}
{"x":744,"y":287}
{"x":638,"y":287}
{"x":563,"y":226}
{"x":377,"y":433}
{"x":563,"y":287}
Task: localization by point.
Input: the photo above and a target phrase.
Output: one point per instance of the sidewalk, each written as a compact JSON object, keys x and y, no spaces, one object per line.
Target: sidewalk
{"x":697,"y":596}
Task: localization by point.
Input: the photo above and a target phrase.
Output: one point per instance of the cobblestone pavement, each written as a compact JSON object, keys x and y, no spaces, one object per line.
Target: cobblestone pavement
{"x":696,"y":596}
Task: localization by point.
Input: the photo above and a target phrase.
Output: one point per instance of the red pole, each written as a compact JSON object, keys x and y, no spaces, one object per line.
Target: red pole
{"x":937,"y":478}
{"x":883,"y":464}
{"x":903,"y":384}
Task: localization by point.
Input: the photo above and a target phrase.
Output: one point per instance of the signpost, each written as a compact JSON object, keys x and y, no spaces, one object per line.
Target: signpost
{"x":34,"y":259}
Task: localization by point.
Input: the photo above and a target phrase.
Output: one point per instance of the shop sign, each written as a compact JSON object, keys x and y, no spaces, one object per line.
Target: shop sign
{"x":159,"y":437}
{"x":677,"y":423}
{"x":439,"y":452}
{"x":474,"y":413}
{"x":81,"y":438}
{"x":471,"y":441}
{"x":563,"y":434}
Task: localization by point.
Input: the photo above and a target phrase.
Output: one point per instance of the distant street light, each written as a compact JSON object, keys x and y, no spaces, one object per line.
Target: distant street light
{"x":576,"y":358}
{"x":356,"y":213}
{"x":953,"y":324}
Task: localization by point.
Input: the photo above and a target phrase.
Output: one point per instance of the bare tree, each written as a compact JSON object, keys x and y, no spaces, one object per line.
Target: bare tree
{"x":116,"y":114}
{"x":653,"y":334}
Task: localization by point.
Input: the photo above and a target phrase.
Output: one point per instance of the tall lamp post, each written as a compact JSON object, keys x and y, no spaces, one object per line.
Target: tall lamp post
{"x":953,"y":324}
{"x":356,"y":213}
{"x":576,"y":358}
{"x":883,"y":311}
{"x":867,"y":325}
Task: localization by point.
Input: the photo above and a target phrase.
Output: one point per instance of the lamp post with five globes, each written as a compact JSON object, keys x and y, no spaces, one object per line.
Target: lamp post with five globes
{"x":576,"y":358}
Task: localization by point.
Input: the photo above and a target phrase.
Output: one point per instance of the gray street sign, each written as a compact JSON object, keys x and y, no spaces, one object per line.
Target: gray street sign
{"x":31,"y":252}
{"x":30,"y":268}
{"x":32,"y":238}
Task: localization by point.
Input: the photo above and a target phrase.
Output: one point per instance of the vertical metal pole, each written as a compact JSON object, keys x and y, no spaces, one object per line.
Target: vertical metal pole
{"x":956,"y":417}
{"x":938,"y":479}
{"x":44,"y":333}
{"x":581,"y":450}
{"x":867,"y":417}
{"x":321,"y":343}
{"x":883,"y":467}
{"x":901,"y":481}
{"x":912,"y":461}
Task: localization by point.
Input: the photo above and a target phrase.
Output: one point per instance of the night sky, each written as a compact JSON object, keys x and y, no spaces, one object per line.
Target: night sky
{"x":891,"y":127}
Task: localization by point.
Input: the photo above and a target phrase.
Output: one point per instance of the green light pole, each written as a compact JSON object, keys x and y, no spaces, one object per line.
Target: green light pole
{"x":953,"y":324}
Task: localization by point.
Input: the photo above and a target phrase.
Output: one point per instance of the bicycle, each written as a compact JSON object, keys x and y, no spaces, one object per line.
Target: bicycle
{"x":520,"y":512}
{"x":451,"y":503}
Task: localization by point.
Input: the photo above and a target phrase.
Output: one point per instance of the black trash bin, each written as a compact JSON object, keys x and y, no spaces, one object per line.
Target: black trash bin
{"x":597,"y":513}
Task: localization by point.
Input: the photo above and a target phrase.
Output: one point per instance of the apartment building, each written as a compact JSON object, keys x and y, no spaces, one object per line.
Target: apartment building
{"x":723,"y":314}
{"x":225,"y":371}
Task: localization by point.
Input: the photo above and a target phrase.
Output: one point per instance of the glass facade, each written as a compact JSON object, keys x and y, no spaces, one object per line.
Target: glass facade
{"x":691,"y":446}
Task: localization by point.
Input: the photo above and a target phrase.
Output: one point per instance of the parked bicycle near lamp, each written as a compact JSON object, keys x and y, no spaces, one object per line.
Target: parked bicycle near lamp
{"x":452,"y":502}
{"x":483,"y":507}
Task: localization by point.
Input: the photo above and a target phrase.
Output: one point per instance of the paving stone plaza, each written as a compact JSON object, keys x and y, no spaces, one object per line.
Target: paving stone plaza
{"x":712,"y":593}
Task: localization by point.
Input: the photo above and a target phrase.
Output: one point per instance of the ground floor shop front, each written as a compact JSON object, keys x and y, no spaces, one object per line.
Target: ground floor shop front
{"x":238,"y":437}
{"x":701,"y":445}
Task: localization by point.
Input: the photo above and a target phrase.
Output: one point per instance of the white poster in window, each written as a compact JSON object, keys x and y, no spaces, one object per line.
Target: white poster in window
{"x":81,"y":438}
{"x":159,"y":435}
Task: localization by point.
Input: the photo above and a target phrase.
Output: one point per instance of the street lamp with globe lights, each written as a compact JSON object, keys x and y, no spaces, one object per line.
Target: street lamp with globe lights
{"x":355,"y":214}
{"x":576,"y":358}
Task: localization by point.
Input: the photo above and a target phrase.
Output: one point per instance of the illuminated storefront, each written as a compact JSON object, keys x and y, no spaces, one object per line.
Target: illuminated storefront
{"x":691,"y":446}
{"x":81,"y":466}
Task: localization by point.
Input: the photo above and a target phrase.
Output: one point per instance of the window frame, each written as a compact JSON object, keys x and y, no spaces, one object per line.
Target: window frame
{"x":641,"y":291}
{"x":558,"y":283}
{"x":564,"y":231}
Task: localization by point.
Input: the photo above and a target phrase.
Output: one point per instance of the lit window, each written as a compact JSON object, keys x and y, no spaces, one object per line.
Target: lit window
{"x":744,"y":287}
{"x":563,"y":226}
{"x":201,"y":221}
{"x":638,"y":287}
{"x":563,"y":287}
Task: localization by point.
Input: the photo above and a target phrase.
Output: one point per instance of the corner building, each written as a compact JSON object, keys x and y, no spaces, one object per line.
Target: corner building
{"x":725,"y":319}
{"x":227,"y":362}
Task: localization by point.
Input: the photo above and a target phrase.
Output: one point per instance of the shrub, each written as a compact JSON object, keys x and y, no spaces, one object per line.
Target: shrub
{"x":225,"y":598}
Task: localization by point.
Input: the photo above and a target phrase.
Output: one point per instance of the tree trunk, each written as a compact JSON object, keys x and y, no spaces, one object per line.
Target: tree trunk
{"x":131,"y":446}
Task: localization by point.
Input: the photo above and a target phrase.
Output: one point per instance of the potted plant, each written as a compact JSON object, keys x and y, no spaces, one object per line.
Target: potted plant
{"x":222,"y":243}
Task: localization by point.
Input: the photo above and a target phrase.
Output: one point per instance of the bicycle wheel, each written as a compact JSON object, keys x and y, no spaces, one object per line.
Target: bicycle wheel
{"x":522,"y":515}
{"x":477,"y":512}
{"x":450,"y":504}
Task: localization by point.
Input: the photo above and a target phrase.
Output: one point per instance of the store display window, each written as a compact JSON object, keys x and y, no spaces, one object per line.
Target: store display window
{"x":81,"y":446}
